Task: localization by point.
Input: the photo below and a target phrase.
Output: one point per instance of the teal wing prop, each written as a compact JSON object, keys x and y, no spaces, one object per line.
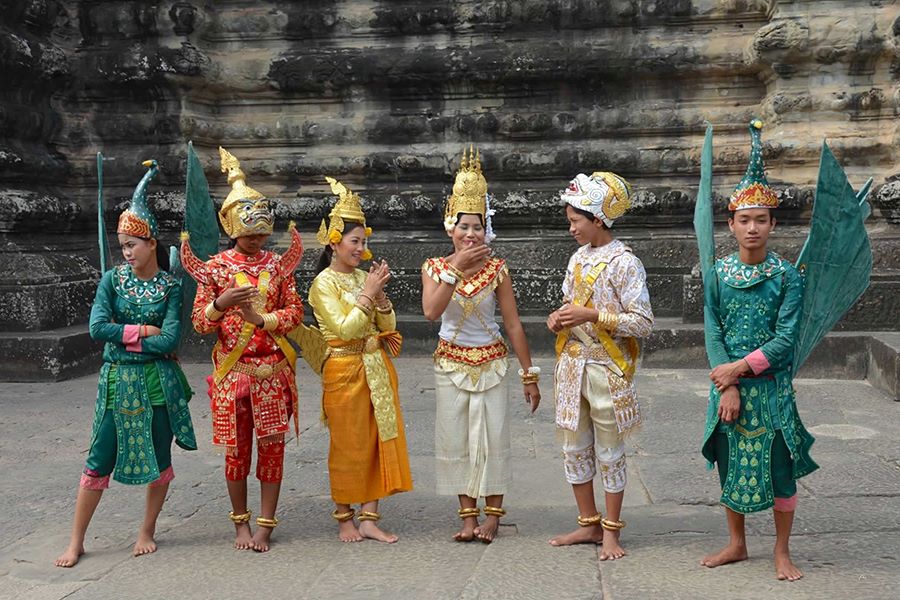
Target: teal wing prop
{"x":836,"y":260}
{"x":175,"y":267}
{"x":703,"y":209}
{"x":199,"y":211}
{"x":105,"y":261}
{"x":199,"y":219}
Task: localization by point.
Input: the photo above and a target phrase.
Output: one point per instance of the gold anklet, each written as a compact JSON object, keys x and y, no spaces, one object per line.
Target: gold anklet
{"x":365,"y":515}
{"x":494,"y":511}
{"x":612,"y":525}
{"x":239,"y":519}
{"x":343,"y":516}
{"x":465,"y":513}
{"x":590,"y":521}
{"x":264,"y":522}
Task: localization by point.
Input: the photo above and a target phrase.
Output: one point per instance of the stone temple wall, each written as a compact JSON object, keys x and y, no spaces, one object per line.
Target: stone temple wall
{"x":384,"y":95}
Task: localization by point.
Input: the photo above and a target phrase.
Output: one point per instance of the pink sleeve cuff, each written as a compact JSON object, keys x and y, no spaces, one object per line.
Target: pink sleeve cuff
{"x":131,"y":338}
{"x":92,"y":482}
{"x":164,"y":477}
{"x":757,"y":361}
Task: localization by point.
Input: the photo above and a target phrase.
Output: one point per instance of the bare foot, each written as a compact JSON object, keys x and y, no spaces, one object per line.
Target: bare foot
{"x":612,"y":550}
{"x":145,"y":544}
{"x":467,"y":532}
{"x":260,"y":539}
{"x":487,"y":531}
{"x":242,"y":539}
{"x":582,"y":535}
{"x":729,"y":554}
{"x":348,"y":532}
{"x":70,"y":557}
{"x":785,"y":569}
{"x":368,"y":529}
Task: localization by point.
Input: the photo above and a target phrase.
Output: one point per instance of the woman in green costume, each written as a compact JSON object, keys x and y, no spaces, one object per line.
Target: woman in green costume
{"x":142,"y":399}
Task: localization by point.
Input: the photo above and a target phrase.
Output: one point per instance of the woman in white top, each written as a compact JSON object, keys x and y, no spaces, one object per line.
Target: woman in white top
{"x":472,"y":444}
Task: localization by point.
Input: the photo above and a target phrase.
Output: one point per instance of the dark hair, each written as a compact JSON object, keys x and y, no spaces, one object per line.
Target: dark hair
{"x":586,"y":214}
{"x":232,"y":242}
{"x":328,"y":253}
{"x":162,"y":255}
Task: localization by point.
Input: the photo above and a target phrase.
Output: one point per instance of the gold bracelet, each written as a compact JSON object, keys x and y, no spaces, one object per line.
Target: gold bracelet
{"x":494,"y":511}
{"x":386,"y":308}
{"x":531,"y":375}
{"x":465,"y":513}
{"x":239,"y":519}
{"x":364,"y":308}
{"x":607,"y":321}
{"x":267,"y":523}
{"x":456,"y":272}
{"x":340,"y":517}
{"x":270,"y":321}
{"x":612,"y":525}
{"x":212,"y":313}
{"x":589,"y":521}
{"x":365,"y":515}
{"x":371,"y":299}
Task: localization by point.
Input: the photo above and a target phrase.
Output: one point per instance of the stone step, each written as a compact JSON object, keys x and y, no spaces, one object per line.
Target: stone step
{"x":67,"y":352}
{"x":50,"y":355}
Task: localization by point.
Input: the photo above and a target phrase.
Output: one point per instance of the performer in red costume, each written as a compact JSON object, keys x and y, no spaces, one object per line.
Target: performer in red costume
{"x":248,"y":297}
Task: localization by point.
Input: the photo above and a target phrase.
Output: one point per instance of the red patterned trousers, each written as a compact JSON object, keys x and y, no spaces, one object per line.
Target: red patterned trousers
{"x":269,"y":450}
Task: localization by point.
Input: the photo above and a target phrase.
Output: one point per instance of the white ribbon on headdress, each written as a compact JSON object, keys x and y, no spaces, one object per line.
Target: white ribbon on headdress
{"x":489,"y":235}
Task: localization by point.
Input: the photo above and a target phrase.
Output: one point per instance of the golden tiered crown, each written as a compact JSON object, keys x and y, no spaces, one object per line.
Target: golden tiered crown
{"x":469,"y":189}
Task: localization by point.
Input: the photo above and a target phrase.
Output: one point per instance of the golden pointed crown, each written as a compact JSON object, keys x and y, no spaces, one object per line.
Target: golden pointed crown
{"x":347,"y":208}
{"x":259,"y":219}
{"x":469,"y":188}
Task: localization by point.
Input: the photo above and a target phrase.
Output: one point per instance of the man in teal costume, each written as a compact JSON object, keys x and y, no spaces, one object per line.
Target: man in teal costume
{"x":142,"y":399}
{"x":752,"y":307}
{"x":760,"y":326}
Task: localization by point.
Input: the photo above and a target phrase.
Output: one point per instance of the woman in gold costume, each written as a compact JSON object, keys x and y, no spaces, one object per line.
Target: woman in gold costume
{"x":367,"y":458}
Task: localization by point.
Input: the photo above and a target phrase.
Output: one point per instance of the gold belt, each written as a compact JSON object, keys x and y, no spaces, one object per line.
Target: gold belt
{"x":592,"y":352}
{"x":262,"y":371}
{"x":361,"y":346}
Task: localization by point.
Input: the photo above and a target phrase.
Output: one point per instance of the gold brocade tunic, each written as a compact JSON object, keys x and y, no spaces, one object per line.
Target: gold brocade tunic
{"x":333,"y":297}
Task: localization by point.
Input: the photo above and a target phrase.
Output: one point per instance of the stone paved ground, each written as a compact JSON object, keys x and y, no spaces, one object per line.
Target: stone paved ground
{"x":845,"y":535}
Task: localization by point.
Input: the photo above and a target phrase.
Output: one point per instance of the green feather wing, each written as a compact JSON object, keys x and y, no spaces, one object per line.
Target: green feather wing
{"x":199,"y":218}
{"x":703,"y":209}
{"x":105,"y":260}
{"x":836,"y":260}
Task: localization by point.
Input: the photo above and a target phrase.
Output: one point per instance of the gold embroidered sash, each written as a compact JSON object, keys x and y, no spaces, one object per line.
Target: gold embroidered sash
{"x":247,"y":329}
{"x":572,"y":354}
{"x":377,"y":377}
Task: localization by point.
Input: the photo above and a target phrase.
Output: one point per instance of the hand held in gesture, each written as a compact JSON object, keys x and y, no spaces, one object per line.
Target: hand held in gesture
{"x":471,"y":258}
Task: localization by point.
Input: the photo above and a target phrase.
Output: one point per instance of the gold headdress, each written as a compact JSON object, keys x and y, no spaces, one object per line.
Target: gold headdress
{"x":245,"y":211}
{"x":347,"y":208}
{"x":469,"y":190}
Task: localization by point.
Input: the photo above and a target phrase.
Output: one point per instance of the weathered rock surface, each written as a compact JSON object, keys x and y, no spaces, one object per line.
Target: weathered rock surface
{"x":385,"y":94}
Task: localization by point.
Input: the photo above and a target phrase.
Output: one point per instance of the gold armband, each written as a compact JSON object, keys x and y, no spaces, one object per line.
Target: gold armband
{"x":211,"y":313}
{"x":607,"y":321}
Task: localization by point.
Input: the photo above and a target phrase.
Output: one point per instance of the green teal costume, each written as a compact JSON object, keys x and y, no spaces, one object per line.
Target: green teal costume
{"x":750,"y":307}
{"x":753,"y":309}
{"x":142,"y":394}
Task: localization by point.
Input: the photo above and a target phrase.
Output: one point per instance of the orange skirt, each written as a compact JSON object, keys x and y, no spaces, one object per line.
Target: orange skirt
{"x":361,"y":467}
